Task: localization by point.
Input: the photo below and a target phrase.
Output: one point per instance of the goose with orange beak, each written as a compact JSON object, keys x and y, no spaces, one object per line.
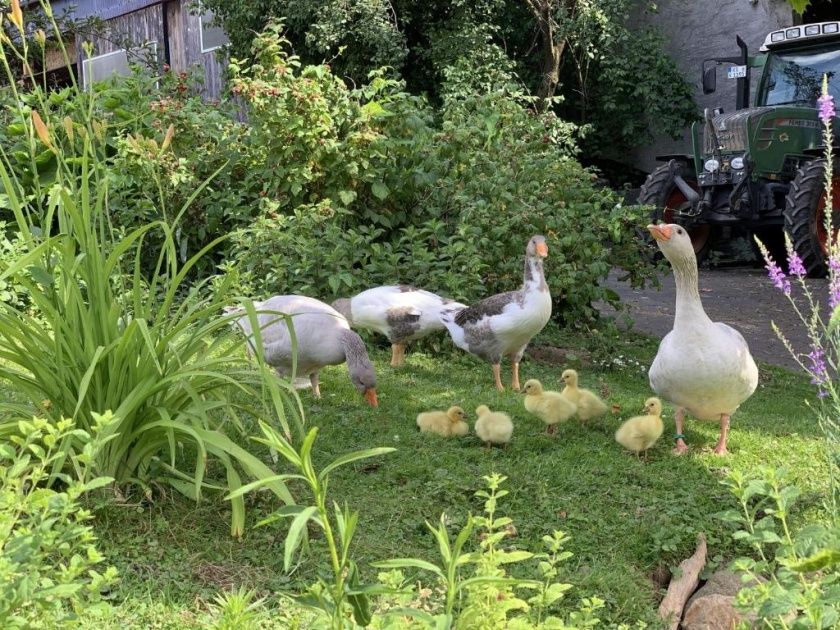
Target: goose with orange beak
{"x":503,"y":325}
{"x":702,"y":367}
{"x":323,"y":337}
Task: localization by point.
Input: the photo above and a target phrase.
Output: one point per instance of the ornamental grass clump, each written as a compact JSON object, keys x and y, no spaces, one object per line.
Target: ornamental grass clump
{"x":161,"y":357}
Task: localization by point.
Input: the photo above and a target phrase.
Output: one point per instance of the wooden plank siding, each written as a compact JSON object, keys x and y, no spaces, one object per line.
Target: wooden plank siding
{"x":133,"y":30}
{"x":133,"y":23}
{"x":185,"y":47}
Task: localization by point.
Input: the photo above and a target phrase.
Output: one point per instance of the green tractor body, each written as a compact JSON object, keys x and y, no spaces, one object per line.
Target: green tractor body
{"x":759,"y":170}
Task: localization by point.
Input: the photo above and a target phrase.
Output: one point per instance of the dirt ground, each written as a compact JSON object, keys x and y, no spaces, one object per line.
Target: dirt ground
{"x":742,"y":297}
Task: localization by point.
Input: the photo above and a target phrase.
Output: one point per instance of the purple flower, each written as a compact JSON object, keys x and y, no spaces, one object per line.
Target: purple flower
{"x":818,"y":369}
{"x":833,"y":281}
{"x":780,"y":280}
{"x":795,"y":265}
{"x":826,"y":107}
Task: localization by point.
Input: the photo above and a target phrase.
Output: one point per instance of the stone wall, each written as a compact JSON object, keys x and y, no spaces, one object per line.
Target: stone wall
{"x":699,"y":29}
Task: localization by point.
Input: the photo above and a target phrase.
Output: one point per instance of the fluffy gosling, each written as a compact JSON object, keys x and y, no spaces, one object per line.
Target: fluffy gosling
{"x":493,"y":427}
{"x":588,"y":404}
{"x":448,"y":423}
{"x":638,"y":434}
{"x":549,"y":406}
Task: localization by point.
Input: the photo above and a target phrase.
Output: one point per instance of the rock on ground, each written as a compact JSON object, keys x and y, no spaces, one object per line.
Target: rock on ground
{"x":712,"y":605}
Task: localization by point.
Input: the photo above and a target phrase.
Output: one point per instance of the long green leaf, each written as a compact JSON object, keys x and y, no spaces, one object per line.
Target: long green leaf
{"x":353,"y":457}
{"x":294,"y":536}
{"x":403,"y":563}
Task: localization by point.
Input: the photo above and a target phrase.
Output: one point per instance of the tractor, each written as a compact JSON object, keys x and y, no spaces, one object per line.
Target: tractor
{"x":760,"y":170}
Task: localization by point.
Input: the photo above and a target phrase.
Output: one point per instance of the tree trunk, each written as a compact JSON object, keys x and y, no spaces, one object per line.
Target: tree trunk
{"x":551,"y":49}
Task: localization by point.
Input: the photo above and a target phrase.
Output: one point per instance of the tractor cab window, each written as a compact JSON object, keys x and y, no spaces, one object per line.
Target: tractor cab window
{"x":795,"y":78}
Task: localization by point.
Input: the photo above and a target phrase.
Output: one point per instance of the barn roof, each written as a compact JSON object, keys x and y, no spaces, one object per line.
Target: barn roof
{"x":103,"y":9}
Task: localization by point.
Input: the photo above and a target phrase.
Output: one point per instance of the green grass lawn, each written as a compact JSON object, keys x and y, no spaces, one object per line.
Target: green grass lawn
{"x":627,"y":518}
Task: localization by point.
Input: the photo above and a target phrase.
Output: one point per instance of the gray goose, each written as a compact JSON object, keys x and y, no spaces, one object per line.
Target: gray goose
{"x":503,"y":324}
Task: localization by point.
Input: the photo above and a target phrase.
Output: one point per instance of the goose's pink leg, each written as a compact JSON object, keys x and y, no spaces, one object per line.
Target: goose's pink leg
{"x":720,"y":449}
{"x":497,"y":374}
{"x":316,"y":386}
{"x":515,"y":382}
{"x":680,"y":447}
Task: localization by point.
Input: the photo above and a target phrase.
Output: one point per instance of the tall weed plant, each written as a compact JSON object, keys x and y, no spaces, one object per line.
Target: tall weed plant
{"x":803,"y":590}
{"x":108,"y":337}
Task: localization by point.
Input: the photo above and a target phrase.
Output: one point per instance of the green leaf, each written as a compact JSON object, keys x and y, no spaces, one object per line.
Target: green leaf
{"x":293,"y":538}
{"x":358,"y":601}
{"x":403,"y":563}
{"x":379,"y":190}
{"x":347,"y":196}
{"x":354,"y":456}
{"x":507,"y":557}
{"x":489,"y":579}
{"x":99,"y":482}
{"x":816,"y":562}
{"x":259,"y":483}
{"x":373,"y":109}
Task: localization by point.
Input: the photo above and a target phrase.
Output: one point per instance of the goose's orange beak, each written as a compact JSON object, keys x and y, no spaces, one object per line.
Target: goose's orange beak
{"x":370,"y":396}
{"x":660,"y":232}
{"x":542,"y":250}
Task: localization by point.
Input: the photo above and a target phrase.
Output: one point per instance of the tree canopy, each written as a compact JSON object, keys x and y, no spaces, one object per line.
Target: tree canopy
{"x":580,"y":57}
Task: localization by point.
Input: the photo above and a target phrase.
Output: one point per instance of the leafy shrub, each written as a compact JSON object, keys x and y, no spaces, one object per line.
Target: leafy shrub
{"x":49,"y":560}
{"x":206,"y":142}
{"x":12,"y":248}
{"x":160,"y":356}
{"x":374,"y":190}
{"x":803,"y":589}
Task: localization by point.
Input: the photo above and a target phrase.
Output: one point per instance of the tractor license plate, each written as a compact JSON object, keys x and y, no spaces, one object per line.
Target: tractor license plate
{"x":737,"y":72}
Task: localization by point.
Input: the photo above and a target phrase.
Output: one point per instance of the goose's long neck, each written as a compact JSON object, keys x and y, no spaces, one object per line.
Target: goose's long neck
{"x":689,"y":310}
{"x":534,"y":277}
{"x":355,"y":352}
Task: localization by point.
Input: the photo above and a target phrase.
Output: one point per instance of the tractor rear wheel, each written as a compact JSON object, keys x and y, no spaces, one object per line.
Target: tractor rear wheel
{"x":805,"y":210}
{"x":660,"y":191}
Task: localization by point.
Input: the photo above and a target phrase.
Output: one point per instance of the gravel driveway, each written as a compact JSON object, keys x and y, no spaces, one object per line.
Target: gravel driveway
{"x":743,"y":298}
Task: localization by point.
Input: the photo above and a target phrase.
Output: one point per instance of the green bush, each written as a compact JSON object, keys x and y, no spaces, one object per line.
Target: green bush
{"x":330,"y":189}
{"x":156,"y":352}
{"x":148,"y":184}
{"x":399,"y":196}
{"x":49,"y":559}
{"x":796,"y":577}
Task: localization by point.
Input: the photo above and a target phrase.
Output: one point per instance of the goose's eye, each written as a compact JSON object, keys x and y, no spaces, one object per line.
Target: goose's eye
{"x":679,"y":231}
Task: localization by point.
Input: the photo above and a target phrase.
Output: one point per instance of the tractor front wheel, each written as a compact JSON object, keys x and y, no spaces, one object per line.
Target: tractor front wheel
{"x":660,"y":191}
{"x":805,"y":214}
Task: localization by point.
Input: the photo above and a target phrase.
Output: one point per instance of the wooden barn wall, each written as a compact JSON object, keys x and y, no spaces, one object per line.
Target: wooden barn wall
{"x":133,"y":30}
{"x":182,"y":30}
{"x":185,"y":47}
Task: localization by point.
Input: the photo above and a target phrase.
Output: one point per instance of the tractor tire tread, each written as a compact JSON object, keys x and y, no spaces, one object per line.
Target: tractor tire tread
{"x":805,"y":191}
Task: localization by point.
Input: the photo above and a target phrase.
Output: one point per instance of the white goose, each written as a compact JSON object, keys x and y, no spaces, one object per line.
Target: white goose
{"x":504,"y":324}
{"x":323,"y":338}
{"x":702,"y":367}
{"x":402,"y":313}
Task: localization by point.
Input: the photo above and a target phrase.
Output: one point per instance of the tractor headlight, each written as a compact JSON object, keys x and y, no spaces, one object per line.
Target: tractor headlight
{"x":737,"y":163}
{"x":712,"y":165}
